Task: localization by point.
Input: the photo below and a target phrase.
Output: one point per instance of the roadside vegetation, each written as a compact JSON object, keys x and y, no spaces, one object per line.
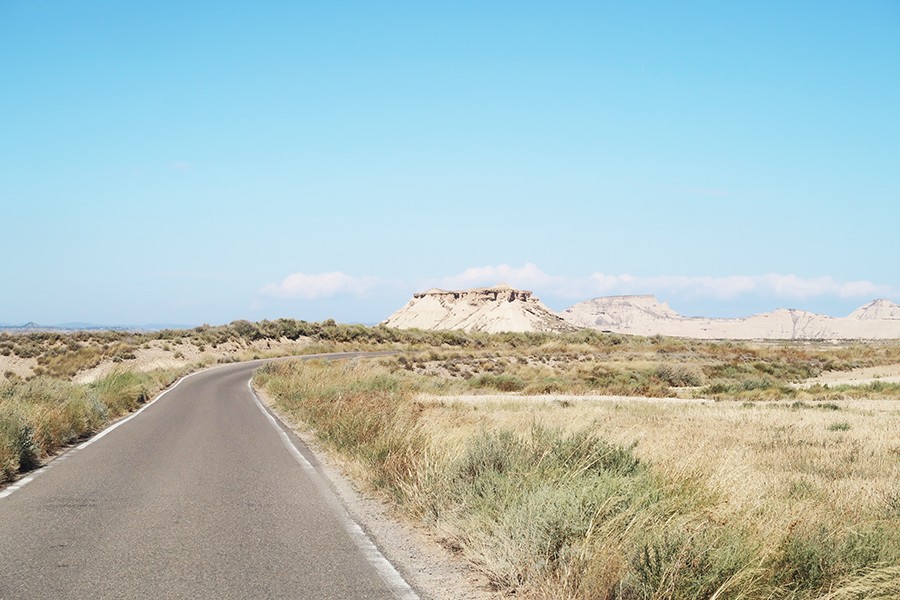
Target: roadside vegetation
{"x":44,"y":414}
{"x":604,"y":364}
{"x":581,"y":362}
{"x":564,"y":496}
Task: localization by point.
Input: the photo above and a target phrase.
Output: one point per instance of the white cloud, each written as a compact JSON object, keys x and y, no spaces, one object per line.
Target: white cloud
{"x":527,"y":276}
{"x":727,"y":288}
{"x":320,"y":285}
{"x":720,"y":288}
{"x":530,"y":276}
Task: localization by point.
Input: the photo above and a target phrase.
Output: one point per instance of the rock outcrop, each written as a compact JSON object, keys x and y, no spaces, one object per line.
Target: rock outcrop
{"x":644,"y":315}
{"x":494,"y":309}
{"x":879,"y":309}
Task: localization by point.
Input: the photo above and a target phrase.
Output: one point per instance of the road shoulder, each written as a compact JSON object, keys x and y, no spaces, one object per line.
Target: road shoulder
{"x":429,"y":567}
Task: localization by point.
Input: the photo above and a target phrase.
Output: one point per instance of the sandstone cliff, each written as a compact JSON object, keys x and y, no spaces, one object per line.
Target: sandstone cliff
{"x":495,"y":309}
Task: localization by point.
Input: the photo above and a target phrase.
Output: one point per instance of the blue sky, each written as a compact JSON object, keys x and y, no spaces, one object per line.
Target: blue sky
{"x":173,"y":162}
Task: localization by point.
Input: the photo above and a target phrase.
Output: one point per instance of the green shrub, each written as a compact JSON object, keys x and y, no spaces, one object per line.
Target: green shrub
{"x":814,"y":558}
{"x":677,"y":375}
{"x":503,"y":383}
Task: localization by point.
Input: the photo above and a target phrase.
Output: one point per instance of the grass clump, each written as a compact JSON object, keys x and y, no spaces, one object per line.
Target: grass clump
{"x":813,"y":558}
{"x":502,"y":383}
{"x":55,"y":412}
{"x":363,"y":414}
{"x":678,"y":375}
{"x":18,"y":451}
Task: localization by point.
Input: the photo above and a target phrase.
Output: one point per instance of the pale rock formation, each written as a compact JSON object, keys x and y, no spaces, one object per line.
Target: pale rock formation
{"x":494,"y":309}
{"x":644,"y":315}
{"x":878,"y":309}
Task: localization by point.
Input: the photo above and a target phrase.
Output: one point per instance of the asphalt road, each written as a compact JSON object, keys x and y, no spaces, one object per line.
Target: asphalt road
{"x":199,"y":496}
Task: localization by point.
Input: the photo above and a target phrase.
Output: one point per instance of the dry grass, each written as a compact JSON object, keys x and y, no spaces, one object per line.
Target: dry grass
{"x":655,"y":368}
{"x":786,"y":464}
{"x":790,"y":492}
{"x":571,"y":497}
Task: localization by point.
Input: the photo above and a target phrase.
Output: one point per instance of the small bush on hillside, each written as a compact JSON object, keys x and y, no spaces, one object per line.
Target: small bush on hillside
{"x":503,"y":383}
{"x":677,"y":375}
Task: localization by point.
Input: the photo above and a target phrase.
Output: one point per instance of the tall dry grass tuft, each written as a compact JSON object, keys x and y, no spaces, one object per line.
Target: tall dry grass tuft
{"x":362,"y":413}
{"x":881,"y":583}
{"x":49,"y":412}
{"x":18,"y":450}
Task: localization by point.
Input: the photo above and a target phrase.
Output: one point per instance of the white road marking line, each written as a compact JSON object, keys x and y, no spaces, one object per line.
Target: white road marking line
{"x":18,"y":485}
{"x":384,"y":567}
{"x":285,"y":440}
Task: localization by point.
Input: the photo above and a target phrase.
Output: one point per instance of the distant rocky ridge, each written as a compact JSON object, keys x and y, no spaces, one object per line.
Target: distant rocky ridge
{"x":31,"y":327}
{"x":644,"y":315}
{"x":501,"y":308}
{"x":493,"y":309}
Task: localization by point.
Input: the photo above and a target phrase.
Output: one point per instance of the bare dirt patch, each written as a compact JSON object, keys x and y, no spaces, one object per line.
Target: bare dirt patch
{"x":18,"y":366}
{"x":862,"y":376}
{"x":164,"y":354}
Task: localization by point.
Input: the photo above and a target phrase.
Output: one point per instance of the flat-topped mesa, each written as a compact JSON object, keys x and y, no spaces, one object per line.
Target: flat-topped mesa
{"x":494,"y":309}
{"x":493,"y":293}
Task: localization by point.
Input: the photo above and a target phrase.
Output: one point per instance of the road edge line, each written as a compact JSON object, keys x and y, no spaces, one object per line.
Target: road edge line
{"x":382,"y":565}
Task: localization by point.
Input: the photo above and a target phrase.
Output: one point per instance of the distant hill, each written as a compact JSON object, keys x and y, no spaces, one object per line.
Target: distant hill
{"x":32,"y":327}
{"x":645,"y":315}
{"x":879,"y":309}
{"x":494,"y":309}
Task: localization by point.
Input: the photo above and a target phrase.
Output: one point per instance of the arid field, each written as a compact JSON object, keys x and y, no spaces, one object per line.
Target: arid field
{"x":629,"y":467}
{"x":579,"y":465}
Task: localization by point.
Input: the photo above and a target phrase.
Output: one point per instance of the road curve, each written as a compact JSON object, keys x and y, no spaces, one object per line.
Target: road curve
{"x":200,"y":496}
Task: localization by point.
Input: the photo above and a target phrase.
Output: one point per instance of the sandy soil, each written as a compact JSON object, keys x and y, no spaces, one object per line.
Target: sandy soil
{"x":164,"y":355}
{"x":22,"y":367}
{"x":884,"y":373}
